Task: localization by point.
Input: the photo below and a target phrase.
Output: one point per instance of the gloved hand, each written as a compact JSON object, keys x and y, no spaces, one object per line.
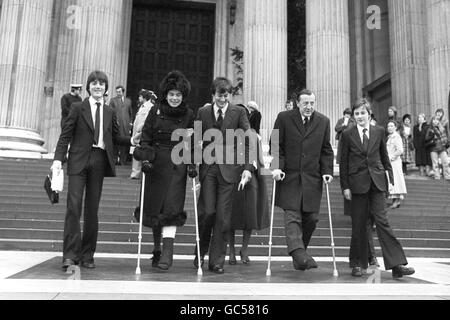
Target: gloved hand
{"x":278,"y":175}
{"x":192,"y":172}
{"x":147,"y":167}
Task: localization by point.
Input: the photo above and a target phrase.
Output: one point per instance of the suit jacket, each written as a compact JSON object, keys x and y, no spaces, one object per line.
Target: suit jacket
{"x":305,"y":156}
{"x":124,"y":114}
{"x":339,"y":128}
{"x":78,"y":131}
{"x":358,"y":168}
{"x":235,"y":118}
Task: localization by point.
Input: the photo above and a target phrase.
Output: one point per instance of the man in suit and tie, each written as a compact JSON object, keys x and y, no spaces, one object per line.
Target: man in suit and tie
{"x":91,"y":130}
{"x":218,"y":177}
{"x":68,"y":99}
{"x":122,"y":105}
{"x":303,"y":162}
{"x":364,"y":168}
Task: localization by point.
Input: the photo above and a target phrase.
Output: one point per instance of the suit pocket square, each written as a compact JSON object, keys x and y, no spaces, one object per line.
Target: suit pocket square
{"x":53,"y":196}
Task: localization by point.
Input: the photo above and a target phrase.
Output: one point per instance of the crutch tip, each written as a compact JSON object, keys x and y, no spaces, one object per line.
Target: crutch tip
{"x":335,"y":273}
{"x":200,"y":273}
{"x":268,"y":273}
{"x":138,"y":271}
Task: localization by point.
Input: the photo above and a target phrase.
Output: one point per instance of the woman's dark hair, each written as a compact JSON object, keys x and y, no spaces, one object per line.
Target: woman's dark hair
{"x":396,"y":124}
{"x":175,"y":80}
{"x":407,"y":116}
{"x":99,"y":76}
{"x":148,"y":95}
{"x":348,"y":111}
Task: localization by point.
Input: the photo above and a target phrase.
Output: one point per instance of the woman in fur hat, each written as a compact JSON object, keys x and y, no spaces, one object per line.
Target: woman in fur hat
{"x":165,"y":187}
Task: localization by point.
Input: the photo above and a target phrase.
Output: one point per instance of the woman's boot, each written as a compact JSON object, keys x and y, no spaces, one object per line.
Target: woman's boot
{"x":157,"y":235}
{"x":167,"y":254}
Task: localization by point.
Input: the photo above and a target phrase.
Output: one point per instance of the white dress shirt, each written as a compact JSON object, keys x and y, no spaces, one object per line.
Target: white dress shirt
{"x":93,"y":103}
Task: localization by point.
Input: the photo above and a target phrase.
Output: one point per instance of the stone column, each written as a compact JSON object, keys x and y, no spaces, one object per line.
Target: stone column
{"x":328,"y":57}
{"x":438,"y":17}
{"x":222,"y":52}
{"x":409,"y":67}
{"x":24,"y":33}
{"x":265,"y":58}
{"x":93,"y":35}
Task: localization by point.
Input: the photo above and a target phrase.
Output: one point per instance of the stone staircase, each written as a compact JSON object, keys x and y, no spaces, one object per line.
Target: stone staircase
{"x":29,"y":222}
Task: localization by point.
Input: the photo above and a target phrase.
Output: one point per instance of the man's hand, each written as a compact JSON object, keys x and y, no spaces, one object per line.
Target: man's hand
{"x":327,"y":178}
{"x":246,"y":177}
{"x":147,"y":167}
{"x":56,"y":167}
{"x":192,"y":172}
{"x":278,"y":175}
{"x":391,"y":187}
{"x":348,"y":194}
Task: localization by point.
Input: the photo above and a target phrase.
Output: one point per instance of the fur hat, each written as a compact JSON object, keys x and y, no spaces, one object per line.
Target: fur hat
{"x":175,"y":80}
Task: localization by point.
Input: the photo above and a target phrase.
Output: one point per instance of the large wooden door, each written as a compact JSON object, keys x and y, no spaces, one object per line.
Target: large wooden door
{"x":167,"y":36}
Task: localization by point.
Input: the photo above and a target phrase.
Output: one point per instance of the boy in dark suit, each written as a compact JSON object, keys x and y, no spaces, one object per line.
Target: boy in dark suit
{"x":218,"y":175}
{"x":363,"y":167}
{"x":91,"y":129}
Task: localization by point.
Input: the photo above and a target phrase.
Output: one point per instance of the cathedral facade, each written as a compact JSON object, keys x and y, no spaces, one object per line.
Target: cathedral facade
{"x":395,"y":52}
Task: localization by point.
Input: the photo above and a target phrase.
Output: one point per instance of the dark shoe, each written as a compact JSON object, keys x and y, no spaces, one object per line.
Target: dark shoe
{"x":300,"y":259}
{"x":374,"y":262}
{"x":244,"y":258}
{"x":88,"y":264}
{"x":357,"y":272}
{"x":312,"y":264}
{"x":67,"y":263}
{"x":232,"y":260}
{"x":137,"y":214}
{"x":166,"y":260}
{"x":400,"y":271}
{"x":156,"y":257}
{"x":216,"y":269}
{"x":202,"y":260}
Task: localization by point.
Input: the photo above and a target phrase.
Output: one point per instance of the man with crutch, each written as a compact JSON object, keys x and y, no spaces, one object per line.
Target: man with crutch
{"x":300,"y":146}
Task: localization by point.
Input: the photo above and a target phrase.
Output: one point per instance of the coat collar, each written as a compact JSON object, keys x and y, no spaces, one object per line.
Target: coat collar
{"x":299,"y":122}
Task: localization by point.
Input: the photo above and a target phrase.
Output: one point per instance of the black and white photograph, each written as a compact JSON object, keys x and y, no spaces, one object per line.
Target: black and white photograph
{"x":226,"y":158}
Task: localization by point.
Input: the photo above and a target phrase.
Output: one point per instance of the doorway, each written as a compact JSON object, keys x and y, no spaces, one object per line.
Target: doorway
{"x":168,"y":35}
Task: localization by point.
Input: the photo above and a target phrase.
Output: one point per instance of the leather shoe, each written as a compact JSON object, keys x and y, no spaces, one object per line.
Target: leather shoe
{"x":67,"y":263}
{"x":244,"y":258}
{"x":156,"y":257}
{"x":374,"y":262}
{"x":357,"y":272}
{"x":400,"y":271}
{"x":88,"y":264}
{"x":216,"y":269}
{"x":312,"y":264}
{"x":300,"y":259}
{"x":202,"y":261}
{"x":232,"y":260}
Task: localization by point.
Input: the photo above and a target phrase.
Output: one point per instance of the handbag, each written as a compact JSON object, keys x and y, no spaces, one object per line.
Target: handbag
{"x":53,"y":196}
{"x":430,"y":143}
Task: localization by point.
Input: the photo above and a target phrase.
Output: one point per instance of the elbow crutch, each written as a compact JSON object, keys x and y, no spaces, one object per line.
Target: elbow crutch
{"x":138,"y":268}
{"x":269,"y":272}
{"x":335,"y":272}
{"x":197,"y":234}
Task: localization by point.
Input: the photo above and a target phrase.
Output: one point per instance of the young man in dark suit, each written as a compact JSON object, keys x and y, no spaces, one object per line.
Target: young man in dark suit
{"x":218,"y":176}
{"x":305,"y":157}
{"x":363,"y":167}
{"x":91,"y":130}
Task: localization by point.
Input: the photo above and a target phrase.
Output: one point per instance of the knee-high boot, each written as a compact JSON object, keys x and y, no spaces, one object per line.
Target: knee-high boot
{"x":157,"y":235}
{"x":167,"y":254}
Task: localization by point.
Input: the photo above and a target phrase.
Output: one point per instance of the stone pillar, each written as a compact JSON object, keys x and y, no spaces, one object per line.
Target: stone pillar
{"x":265,"y":58}
{"x":93,"y":35}
{"x":328,"y":57}
{"x":409,"y":67}
{"x":222,"y":52}
{"x":24,"y":33}
{"x":438,"y":17}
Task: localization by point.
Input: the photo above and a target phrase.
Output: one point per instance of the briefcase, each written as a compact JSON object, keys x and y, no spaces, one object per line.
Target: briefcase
{"x":53,"y":196}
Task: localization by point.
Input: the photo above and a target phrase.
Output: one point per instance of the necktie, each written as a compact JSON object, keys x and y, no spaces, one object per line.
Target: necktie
{"x":97,"y":124}
{"x":365,"y":141}
{"x":220,"y":119}
{"x":306,"y":122}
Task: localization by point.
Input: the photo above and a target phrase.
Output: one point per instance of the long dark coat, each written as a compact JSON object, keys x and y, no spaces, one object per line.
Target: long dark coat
{"x":305,"y":156}
{"x":165,"y":187}
{"x":423,"y":157}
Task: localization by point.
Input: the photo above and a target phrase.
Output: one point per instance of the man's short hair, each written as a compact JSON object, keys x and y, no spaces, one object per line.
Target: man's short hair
{"x":97,"y":76}
{"x":305,"y":92}
{"x":221,"y":85}
{"x":121,"y":87}
{"x":362,"y":103}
